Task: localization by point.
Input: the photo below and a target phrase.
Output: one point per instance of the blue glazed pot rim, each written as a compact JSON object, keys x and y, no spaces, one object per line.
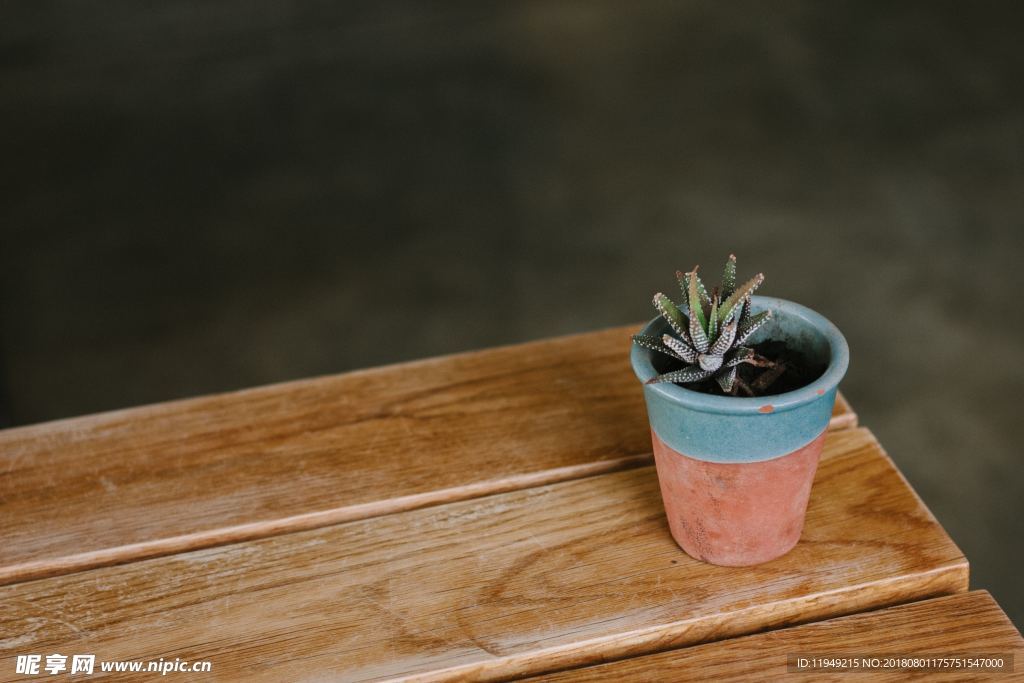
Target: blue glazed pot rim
{"x":746,"y":405}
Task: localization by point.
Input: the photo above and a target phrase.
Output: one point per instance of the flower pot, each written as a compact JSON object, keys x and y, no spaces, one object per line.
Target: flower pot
{"x":736,"y":472}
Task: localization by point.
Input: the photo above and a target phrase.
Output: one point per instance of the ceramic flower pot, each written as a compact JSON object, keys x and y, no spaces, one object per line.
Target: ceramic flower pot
{"x":736,"y":472}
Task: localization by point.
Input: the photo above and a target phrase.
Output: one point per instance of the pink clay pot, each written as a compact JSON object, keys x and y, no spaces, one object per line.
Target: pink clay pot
{"x":736,"y":514}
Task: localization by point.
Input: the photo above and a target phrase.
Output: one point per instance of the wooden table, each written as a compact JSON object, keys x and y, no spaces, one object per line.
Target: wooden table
{"x":479,"y":516}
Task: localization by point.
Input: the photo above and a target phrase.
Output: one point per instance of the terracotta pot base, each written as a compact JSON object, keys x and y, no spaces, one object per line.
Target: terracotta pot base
{"x":736,"y":514}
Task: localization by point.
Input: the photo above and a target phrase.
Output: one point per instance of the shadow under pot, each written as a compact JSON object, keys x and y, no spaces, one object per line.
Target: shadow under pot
{"x":736,"y":472}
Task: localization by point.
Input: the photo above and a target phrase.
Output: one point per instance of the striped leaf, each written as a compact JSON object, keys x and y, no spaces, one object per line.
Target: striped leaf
{"x":698,"y":321}
{"x":697,"y":336}
{"x":745,"y":354}
{"x":684,"y":376}
{"x":725,"y":340}
{"x":702,"y":292}
{"x":729,"y":276}
{"x":713,"y":319}
{"x":740,"y":354}
{"x":741,"y":309}
{"x":671,"y":313}
{"x":726,"y":379}
{"x":751,"y":325}
{"x":684,"y":350}
{"x":654,"y":344}
{"x":741,"y":293}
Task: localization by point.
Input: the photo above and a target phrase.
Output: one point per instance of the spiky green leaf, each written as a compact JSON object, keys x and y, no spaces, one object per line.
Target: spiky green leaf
{"x":684,"y":350}
{"x":726,"y":379}
{"x":702,"y":292}
{"x":713,"y":319}
{"x":698,"y":320}
{"x":654,"y":344}
{"x":705,"y":298}
{"x":751,"y":325}
{"x":745,"y":354}
{"x":671,"y":313}
{"x":729,"y":276}
{"x":741,"y":310}
{"x":684,"y":286}
{"x":741,"y":293}
{"x":725,"y":339}
{"x":739,"y":354}
{"x":697,"y":336}
{"x":684,"y":376}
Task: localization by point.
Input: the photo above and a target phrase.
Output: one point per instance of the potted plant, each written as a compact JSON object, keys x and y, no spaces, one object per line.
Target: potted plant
{"x":739,"y":391}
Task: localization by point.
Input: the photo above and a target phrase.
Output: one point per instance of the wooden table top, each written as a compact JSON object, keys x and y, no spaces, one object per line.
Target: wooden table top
{"x":161,"y":479}
{"x":477,"y":516}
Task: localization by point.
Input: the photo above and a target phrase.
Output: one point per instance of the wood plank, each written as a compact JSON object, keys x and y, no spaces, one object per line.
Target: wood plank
{"x":149,"y":481}
{"x":970,"y":623}
{"x":843,"y":416}
{"x":521,"y":582}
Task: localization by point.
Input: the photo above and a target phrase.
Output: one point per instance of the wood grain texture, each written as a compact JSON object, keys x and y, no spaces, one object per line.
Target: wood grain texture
{"x":150,"y":481}
{"x":970,"y":623}
{"x":522,"y":582}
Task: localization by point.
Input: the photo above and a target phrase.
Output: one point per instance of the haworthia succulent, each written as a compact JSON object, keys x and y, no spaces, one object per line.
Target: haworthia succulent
{"x":709,"y":340}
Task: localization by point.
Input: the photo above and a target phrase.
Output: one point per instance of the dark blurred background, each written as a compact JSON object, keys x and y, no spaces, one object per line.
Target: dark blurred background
{"x":197,"y":197}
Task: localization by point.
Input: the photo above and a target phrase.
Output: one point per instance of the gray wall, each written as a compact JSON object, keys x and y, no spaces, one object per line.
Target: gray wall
{"x":203,"y":196}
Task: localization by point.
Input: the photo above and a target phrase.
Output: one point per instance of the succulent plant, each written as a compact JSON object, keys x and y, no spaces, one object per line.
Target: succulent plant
{"x":709,"y":329}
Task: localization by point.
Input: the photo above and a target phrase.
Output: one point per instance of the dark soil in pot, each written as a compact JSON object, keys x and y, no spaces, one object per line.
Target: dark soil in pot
{"x":791,"y":369}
